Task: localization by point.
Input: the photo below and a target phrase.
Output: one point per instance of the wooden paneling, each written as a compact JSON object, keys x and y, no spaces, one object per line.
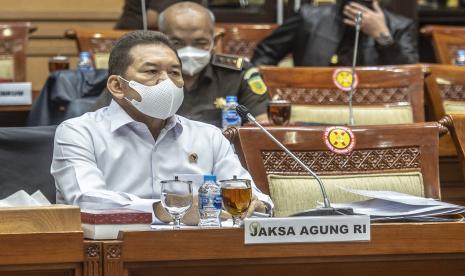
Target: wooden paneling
{"x":60,"y":5}
{"x":52,"y":18}
{"x":394,"y":249}
{"x":51,"y":47}
{"x":37,"y":70}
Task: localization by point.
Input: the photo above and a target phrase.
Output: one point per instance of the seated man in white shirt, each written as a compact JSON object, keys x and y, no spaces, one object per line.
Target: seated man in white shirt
{"x":118,"y":155}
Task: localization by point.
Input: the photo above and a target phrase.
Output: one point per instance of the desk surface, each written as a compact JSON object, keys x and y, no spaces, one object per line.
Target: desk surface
{"x":395,"y":249}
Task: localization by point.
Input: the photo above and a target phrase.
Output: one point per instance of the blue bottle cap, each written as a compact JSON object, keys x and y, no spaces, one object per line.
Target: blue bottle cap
{"x":230,"y":99}
{"x":84,"y":54}
{"x":209,"y":178}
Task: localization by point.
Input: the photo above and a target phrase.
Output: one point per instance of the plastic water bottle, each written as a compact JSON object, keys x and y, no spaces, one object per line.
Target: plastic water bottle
{"x":460,"y":57}
{"x":85,"y":63}
{"x":209,"y":202}
{"x":230,"y":116}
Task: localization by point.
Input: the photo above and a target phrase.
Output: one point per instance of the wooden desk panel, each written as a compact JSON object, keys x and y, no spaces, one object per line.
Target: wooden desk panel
{"x":395,"y":249}
{"x":41,"y":254}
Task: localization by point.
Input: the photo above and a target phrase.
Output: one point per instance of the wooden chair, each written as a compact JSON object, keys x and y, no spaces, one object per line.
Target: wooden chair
{"x":445,"y":86}
{"x":385,"y":95}
{"x":97,"y":42}
{"x":446,"y":41}
{"x":241,"y":39}
{"x":399,"y":155}
{"x":13,"y":43}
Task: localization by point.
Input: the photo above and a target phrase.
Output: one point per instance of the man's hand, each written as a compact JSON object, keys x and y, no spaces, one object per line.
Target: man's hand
{"x":373,"y":23}
{"x":190,"y":218}
{"x":255,"y":206}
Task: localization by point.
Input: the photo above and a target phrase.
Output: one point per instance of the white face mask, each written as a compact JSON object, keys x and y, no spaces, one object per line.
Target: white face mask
{"x":193,"y":59}
{"x":159,"y":101}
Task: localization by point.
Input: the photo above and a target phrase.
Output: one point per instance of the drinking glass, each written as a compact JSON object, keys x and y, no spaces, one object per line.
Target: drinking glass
{"x":237,"y":195}
{"x":279,"y":112}
{"x":176,"y":198}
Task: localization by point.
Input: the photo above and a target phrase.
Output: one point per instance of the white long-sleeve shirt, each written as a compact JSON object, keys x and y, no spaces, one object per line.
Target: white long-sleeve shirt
{"x":107,"y":157}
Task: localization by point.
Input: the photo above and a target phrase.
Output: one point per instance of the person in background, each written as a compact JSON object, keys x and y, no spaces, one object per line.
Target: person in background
{"x":131,"y":18}
{"x":324,"y":36}
{"x":208,"y":77}
{"x":118,"y":155}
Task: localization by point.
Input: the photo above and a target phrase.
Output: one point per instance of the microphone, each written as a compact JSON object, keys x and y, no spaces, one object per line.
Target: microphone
{"x":358,"y":25}
{"x":327,"y":210}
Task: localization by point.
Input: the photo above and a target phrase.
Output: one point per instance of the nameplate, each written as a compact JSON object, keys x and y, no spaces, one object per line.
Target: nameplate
{"x":307,"y":229}
{"x":15,"y":93}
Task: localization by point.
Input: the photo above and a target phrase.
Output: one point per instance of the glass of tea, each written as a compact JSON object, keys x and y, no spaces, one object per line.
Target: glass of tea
{"x":237,"y":195}
{"x":176,"y":198}
{"x":279,"y":112}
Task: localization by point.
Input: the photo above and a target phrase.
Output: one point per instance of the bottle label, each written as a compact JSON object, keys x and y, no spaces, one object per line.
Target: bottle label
{"x":205,"y":202}
{"x":231,"y":118}
{"x":218,"y":202}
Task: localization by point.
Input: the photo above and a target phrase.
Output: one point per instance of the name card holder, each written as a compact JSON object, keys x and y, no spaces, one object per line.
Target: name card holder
{"x":307,"y":229}
{"x":16,"y":93}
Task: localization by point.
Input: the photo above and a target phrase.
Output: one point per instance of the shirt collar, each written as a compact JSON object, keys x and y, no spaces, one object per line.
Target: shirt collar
{"x":118,"y":118}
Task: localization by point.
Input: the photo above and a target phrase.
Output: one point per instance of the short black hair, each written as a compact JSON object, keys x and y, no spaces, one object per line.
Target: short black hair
{"x":120,"y":59}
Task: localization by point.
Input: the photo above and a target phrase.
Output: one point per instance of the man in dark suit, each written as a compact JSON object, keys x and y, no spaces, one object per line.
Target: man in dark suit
{"x":324,"y":36}
{"x":131,"y":19}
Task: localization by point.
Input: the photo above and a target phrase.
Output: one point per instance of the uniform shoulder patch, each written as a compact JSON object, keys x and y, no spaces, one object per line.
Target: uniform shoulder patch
{"x":255,"y":81}
{"x":228,"y":61}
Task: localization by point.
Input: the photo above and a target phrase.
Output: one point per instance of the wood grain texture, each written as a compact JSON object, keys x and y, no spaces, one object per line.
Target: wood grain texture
{"x":387,"y":266}
{"x":241,"y":39}
{"x":446,"y":41}
{"x":43,"y":219}
{"x":228,"y":244}
{"x":112,"y":258}
{"x":41,"y":248}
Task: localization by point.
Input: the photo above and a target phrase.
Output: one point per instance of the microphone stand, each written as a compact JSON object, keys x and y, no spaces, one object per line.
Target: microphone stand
{"x":358,"y":24}
{"x":327,"y":210}
{"x":144,"y":15}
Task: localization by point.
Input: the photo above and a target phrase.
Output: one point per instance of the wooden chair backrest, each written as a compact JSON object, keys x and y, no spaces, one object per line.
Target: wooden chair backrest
{"x":445,"y":83}
{"x":456,"y":125}
{"x":446,"y":42}
{"x":97,"y":42}
{"x":428,"y":30}
{"x":382,"y":86}
{"x":241,"y":39}
{"x":13,"y":43}
{"x":94,"y":41}
{"x":378,"y":149}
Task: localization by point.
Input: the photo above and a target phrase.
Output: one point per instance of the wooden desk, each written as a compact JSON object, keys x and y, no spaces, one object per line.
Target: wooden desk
{"x":395,"y":249}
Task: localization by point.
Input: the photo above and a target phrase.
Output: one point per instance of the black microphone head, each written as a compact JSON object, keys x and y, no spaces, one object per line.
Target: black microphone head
{"x":242,"y":111}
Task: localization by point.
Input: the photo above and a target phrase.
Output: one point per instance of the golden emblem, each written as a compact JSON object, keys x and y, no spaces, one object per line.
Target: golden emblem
{"x":257,"y":85}
{"x":219,"y":103}
{"x":339,"y":139}
{"x":193,"y":157}
{"x":343,"y":79}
